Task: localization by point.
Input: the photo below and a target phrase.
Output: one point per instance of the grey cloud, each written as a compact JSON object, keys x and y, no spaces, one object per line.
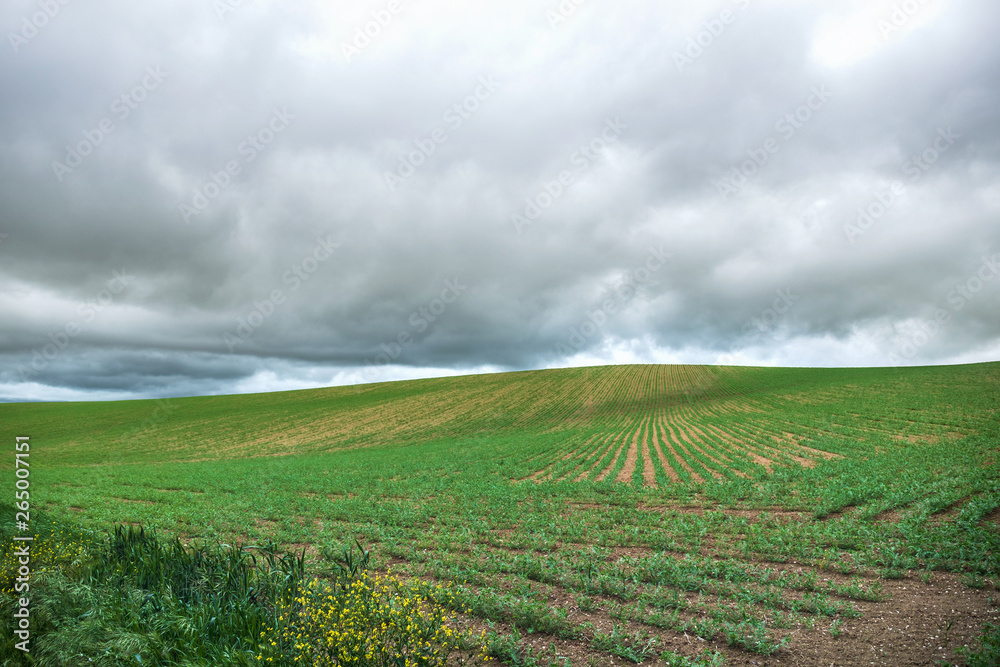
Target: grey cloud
{"x":322,"y":175}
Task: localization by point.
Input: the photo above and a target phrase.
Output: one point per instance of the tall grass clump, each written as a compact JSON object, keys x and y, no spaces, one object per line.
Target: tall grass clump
{"x":135,"y":598}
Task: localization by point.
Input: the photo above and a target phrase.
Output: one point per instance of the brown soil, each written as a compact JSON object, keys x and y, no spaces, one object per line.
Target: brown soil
{"x":596,"y":456}
{"x":888,"y":516}
{"x":266,"y":525}
{"x":630,"y":459}
{"x":582,"y":448}
{"x":648,"y":473}
{"x":744,"y":447}
{"x":702,"y":445}
{"x":617,"y":553}
{"x":614,"y":460}
{"x":920,"y":625}
{"x":673,"y":450}
{"x":671,"y":473}
{"x":760,"y":460}
{"x":794,"y":439}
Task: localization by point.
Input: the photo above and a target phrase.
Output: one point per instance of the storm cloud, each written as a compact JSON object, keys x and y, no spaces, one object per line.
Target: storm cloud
{"x":234,"y":196}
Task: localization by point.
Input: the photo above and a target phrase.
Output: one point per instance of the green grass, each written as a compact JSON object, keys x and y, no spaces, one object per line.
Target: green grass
{"x":136,"y":599}
{"x":517,"y":490}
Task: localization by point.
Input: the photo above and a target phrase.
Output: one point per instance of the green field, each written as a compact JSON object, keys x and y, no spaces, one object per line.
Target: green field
{"x":625,"y":513}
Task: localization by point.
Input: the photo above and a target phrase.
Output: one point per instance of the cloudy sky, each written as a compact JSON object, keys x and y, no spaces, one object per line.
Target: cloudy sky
{"x":229,"y":196}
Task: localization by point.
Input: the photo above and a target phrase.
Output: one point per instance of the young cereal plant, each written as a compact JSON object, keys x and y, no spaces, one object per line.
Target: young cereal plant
{"x":973,"y":580}
{"x":891,"y":573}
{"x":857,"y":591}
{"x":705,"y":628}
{"x":634,"y":648}
{"x":507,"y":649}
{"x":752,"y":636}
{"x":706,"y":659}
{"x":989,"y":651}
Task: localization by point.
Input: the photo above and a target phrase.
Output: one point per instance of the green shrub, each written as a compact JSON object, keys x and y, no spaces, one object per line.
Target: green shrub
{"x":136,"y":599}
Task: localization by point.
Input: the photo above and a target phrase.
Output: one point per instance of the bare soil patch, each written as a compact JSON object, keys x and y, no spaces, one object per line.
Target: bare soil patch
{"x":797,"y":441}
{"x":920,"y":625}
{"x":614,"y":460}
{"x":887,"y":516}
{"x":992,"y":518}
{"x":648,"y":470}
{"x":674,"y":449}
{"x":630,"y":459}
{"x":617,"y":553}
{"x":266,"y":525}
